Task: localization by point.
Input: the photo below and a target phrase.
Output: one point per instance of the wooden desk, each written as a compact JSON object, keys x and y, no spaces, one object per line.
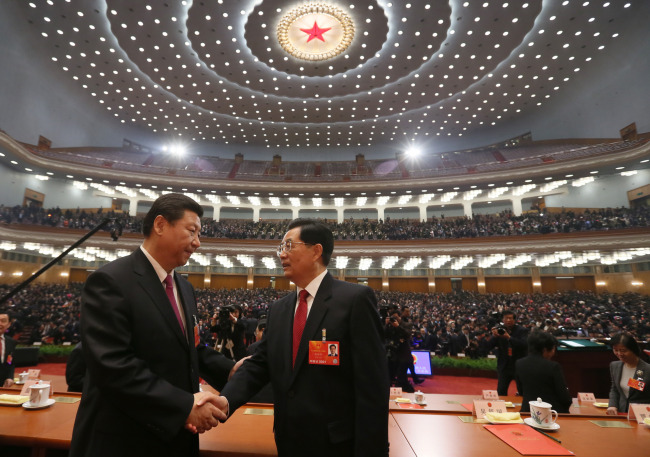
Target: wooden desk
{"x":49,"y":428}
{"x":244,"y":435}
{"x":447,"y":403}
{"x":587,"y":409}
{"x":448,"y":436}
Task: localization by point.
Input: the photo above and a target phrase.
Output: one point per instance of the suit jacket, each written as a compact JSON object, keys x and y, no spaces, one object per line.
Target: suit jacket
{"x":323,"y":410}
{"x":75,"y":370}
{"x":539,"y":377}
{"x":616,"y":396}
{"x":6,"y":364}
{"x":141,"y":369}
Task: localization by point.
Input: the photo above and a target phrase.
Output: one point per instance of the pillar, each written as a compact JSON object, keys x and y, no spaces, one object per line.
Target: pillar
{"x":516,"y":206}
{"x":480,"y":281}
{"x":467,"y":209}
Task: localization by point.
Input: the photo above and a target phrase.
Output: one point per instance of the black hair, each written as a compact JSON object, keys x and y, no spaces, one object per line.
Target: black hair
{"x":626,"y":340}
{"x":539,"y":340}
{"x":509,"y":312}
{"x":314,"y":232}
{"x":172,"y":207}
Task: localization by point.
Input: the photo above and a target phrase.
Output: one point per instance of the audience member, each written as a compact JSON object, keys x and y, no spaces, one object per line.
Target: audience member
{"x":539,"y":376}
{"x":630,"y":375}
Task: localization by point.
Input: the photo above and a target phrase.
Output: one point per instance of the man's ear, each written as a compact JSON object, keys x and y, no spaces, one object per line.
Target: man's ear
{"x":318,"y":251}
{"x":159,"y":224}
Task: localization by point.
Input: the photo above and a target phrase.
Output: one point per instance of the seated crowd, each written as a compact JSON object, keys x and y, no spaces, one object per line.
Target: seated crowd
{"x":480,"y":225}
{"x":444,"y":323}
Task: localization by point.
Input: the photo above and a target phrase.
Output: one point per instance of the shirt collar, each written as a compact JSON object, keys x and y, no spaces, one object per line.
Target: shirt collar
{"x":313,"y":286}
{"x":160,"y":271}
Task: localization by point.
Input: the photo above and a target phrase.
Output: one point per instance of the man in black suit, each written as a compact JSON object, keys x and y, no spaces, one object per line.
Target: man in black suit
{"x":7,"y":346}
{"x":323,"y":406}
{"x":510,"y":340}
{"x":139,"y":329}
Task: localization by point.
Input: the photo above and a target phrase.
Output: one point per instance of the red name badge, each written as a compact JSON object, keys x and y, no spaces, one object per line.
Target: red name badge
{"x":636,"y":384}
{"x":324,"y":353}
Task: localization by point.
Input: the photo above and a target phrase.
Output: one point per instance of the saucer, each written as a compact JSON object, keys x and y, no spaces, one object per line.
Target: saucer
{"x":28,"y":405}
{"x":532,"y":423}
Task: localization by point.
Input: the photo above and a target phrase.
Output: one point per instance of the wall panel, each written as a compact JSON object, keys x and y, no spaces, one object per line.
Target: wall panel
{"x":443,"y":285}
{"x":228,"y":281}
{"x":262,"y":282}
{"x":509,"y":284}
{"x":374,"y":283}
{"x":470,"y":284}
{"x":409,"y":285}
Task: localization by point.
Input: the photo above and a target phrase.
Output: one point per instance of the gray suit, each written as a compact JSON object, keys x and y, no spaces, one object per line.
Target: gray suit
{"x":616,"y":396}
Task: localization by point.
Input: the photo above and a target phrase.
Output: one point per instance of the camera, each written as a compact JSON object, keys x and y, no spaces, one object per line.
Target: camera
{"x":501,"y":329}
{"x":224,"y":313}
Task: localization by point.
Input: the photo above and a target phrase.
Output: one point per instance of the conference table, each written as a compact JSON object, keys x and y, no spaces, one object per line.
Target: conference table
{"x":445,"y":430}
{"x":459,"y":404}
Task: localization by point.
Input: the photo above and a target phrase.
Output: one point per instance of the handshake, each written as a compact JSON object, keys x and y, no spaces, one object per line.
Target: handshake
{"x":207,"y":411}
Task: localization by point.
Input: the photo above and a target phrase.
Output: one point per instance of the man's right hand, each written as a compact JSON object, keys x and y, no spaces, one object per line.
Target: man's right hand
{"x":207,"y":411}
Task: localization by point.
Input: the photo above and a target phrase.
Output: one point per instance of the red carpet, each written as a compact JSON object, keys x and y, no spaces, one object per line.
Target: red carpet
{"x":432,"y":384}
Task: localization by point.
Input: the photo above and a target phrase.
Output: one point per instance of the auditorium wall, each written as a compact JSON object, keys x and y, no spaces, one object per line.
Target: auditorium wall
{"x":605,"y":192}
{"x":613,"y":282}
{"x":57,"y":192}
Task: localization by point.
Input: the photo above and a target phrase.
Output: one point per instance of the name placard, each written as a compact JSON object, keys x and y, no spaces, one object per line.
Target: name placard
{"x":586,"y":396}
{"x":490,"y":395}
{"x":638,"y":411}
{"x":33,"y":373}
{"x":395,"y":391}
{"x":482,"y":407}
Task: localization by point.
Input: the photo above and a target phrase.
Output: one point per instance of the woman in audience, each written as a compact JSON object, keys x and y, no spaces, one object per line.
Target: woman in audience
{"x":539,"y":376}
{"x":630,"y":375}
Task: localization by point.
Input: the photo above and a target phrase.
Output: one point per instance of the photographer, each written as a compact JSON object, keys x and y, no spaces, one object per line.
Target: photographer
{"x":230,"y":331}
{"x":398,"y":351}
{"x":510,"y":341}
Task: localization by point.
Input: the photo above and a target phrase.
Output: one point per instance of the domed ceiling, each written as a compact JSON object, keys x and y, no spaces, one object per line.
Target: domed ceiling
{"x":282,"y":74}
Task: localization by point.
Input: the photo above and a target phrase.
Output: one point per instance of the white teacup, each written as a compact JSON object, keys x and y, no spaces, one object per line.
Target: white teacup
{"x":39,"y":393}
{"x":22,"y":377}
{"x":419,"y":397}
{"x":542,"y":414}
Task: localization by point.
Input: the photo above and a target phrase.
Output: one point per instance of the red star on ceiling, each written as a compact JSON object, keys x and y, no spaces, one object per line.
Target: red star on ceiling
{"x":315,"y":32}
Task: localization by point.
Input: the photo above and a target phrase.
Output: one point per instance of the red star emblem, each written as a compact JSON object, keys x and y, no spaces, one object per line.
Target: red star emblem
{"x":315,"y":32}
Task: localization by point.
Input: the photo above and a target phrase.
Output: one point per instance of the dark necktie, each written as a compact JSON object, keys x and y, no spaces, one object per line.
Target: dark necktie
{"x":299,"y":321}
{"x":169,"y":288}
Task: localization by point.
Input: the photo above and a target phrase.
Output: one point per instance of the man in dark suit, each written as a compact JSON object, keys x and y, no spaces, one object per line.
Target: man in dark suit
{"x":323,"y":406}
{"x":140,"y":342}
{"x":7,"y":346}
{"x":510,"y":340}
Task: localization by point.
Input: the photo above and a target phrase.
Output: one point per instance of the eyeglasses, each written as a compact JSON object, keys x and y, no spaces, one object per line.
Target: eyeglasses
{"x":287,"y":245}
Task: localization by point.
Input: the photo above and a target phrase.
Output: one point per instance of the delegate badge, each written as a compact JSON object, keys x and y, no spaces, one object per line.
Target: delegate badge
{"x":324,"y":353}
{"x":636,"y":384}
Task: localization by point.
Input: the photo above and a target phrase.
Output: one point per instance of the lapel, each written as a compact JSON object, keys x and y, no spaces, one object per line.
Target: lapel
{"x":319,"y":308}
{"x":148,"y":281}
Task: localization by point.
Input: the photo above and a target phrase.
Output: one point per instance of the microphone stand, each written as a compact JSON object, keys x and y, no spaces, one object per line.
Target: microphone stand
{"x":24,"y":284}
